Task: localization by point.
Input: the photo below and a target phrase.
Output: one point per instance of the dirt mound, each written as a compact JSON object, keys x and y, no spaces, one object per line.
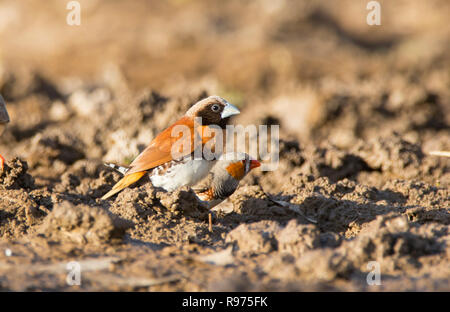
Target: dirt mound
{"x":19,"y":212}
{"x":82,"y":224}
{"x":15,"y":176}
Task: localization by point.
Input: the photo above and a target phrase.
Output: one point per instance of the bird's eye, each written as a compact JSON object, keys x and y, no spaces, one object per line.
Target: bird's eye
{"x":215,"y":108}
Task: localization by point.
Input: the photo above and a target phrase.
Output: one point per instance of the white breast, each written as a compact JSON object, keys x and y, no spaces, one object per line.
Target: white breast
{"x":181,"y":174}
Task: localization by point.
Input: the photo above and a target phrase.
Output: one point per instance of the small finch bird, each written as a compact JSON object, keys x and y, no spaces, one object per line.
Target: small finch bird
{"x":224,"y":178}
{"x":4,"y":119}
{"x":184,"y":170}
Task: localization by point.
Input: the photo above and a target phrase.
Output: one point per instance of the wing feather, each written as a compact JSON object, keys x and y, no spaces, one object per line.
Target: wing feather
{"x":123,"y":183}
{"x":160,"y":149}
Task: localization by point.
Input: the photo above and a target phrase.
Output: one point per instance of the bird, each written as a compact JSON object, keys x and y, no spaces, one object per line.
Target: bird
{"x":4,"y":119}
{"x":157,"y":159}
{"x":223,"y":179}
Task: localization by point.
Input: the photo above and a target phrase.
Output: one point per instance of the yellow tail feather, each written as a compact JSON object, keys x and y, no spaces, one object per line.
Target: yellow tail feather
{"x":124,"y":182}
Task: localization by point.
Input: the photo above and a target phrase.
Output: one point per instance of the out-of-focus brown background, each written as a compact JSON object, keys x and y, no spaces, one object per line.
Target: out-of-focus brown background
{"x":359,"y":107}
{"x":293,"y":52}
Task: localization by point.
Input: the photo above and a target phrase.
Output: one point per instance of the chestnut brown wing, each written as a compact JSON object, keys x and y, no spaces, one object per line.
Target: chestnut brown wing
{"x":159,"y":150}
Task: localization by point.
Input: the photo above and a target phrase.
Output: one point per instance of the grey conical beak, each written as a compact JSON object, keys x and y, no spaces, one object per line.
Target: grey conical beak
{"x":229,"y":110}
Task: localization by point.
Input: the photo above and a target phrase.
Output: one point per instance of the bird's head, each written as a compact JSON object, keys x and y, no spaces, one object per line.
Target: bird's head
{"x":213,"y":110}
{"x":237,"y":165}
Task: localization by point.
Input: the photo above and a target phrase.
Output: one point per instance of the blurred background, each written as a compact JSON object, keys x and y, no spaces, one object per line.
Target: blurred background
{"x":314,"y":67}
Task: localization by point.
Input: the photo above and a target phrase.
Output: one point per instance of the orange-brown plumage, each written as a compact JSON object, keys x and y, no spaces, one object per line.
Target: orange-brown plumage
{"x":159,"y":150}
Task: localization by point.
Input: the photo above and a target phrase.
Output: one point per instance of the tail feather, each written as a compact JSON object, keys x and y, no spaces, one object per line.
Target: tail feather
{"x":124,"y":182}
{"x":121,"y":169}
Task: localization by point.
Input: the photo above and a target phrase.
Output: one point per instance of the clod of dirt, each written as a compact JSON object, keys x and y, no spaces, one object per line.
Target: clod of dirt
{"x":250,"y":200}
{"x":324,"y":265}
{"x":390,"y":237}
{"x":18,"y":213}
{"x":86,"y":177}
{"x":268,"y":236}
{"x":255,"y":237}
{"x":313,"y":267}
{"x":333,"y":163}
{"x":135,"y":204}
{"x":138,"y":203}
{"x":297,"y":238}
{"x":82,"y":224}
{"x":54,"y":148}
{"x":182,"y":201}
{"x":392,"y":154}
{"x":15,"y":176}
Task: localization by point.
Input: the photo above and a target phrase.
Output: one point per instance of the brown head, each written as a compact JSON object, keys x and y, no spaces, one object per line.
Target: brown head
{"x":213,"y":110}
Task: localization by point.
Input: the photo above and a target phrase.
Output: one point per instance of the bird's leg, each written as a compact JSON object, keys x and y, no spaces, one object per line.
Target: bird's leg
{"x":211,"y":215}
{"x":2,"y":162}
{"x":204,"y":205}
{"x":210,"y":222}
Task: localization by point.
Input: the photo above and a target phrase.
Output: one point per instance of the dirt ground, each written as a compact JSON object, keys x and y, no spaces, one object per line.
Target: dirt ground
{"x":359,"y":107}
